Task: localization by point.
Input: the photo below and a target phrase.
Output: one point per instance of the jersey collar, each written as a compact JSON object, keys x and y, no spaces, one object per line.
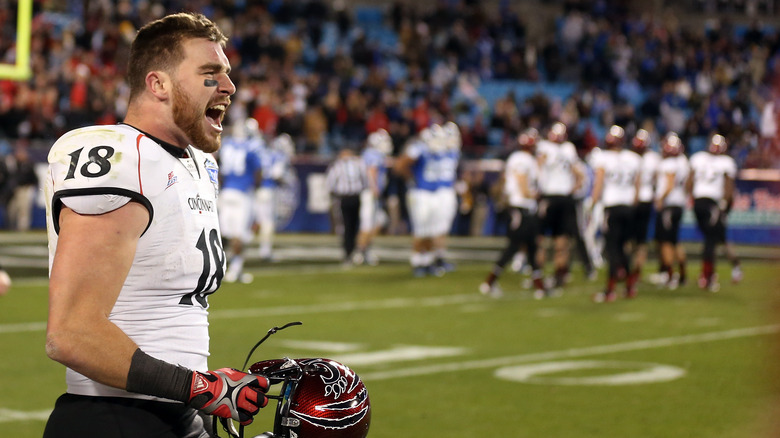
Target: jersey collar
{"x":176,"y":151}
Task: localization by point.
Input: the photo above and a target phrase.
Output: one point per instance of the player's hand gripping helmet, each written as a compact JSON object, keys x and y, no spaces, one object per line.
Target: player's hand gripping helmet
{"x":641,"y":141}
{"x":319,"y":398}
{"x":614,"y":137}
{"x":672,"y":145}
{"x":718,"y":144}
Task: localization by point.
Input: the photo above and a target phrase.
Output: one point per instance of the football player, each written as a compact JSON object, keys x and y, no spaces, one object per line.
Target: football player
{"x":615,"y":186}
{"x":713,"y":173}
{"x":276,"y":164}
{"x":670,"y":197}
{"x":559,"y":179}
{"x":372,"y":217}
{"x":239,"y":164}
{"x":520,"y":187}
{"x":135,"y":249}
{"x":418,"y":165}
{"x":640,"y":144}
{"x":447,"y":197}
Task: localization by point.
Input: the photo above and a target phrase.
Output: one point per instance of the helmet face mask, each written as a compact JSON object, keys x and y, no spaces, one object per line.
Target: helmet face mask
{"x":318,"y":398}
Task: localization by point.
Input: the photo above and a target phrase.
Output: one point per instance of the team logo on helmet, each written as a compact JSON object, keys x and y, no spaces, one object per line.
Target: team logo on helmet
{"x":342,"y":401}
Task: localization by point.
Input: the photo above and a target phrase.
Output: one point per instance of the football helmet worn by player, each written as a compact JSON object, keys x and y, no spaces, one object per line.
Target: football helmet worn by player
{"x":718,"y":144}
{"x":641,"y":141}
{"x":614,"y":137}
{"x":284,"y":144}
{"x":527,"y":139}
{"x":452,"y":132}
{"x":319,"y":398}
{"x":672,"y":145}
{"x":557,"y":132}
{"x":381,"y":141}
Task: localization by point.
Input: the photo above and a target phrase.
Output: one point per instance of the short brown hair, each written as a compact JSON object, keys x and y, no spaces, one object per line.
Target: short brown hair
{"x":158,"y":45}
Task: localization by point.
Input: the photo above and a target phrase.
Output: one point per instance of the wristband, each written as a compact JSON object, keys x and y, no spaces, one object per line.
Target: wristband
{"x":158,"y":378}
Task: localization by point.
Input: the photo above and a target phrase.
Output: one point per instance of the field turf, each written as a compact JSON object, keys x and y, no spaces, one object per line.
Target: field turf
{"x":441,"y":360}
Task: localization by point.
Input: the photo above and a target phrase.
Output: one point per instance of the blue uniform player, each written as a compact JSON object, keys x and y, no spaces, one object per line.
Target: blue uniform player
{"x":240,"y":166}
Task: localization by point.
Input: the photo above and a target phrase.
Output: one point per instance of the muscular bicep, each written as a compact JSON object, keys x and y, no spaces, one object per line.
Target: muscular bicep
{"x":94,"y":254}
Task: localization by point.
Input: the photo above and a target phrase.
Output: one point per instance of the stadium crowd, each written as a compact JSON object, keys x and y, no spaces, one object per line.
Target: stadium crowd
{"x":328,"y":74}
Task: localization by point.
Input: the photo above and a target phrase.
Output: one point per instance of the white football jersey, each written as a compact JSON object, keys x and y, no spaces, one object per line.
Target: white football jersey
{"x":647,"y":175}
{"x":678,"y":166}
{"x":709,"y":174}
{"x":179,"y":259}
{"x":556,"y":173}
{"x":621,"y":169}
{"x":520,"y":163}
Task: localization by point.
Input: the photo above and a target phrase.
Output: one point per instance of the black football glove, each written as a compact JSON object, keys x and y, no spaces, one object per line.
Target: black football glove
{"x":228,"y":393}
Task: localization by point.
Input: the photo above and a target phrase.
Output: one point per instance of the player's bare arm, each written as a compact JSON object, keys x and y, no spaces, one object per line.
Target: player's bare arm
{"x":94,"y":255}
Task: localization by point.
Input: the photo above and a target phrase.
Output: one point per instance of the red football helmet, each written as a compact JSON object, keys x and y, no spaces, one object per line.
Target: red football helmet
{"x":672,"y":145}
{"x":527,"y":139}
{"x":641,"y":141}
{"x":614,"y":138}
{"x":718,"y":144}
{"x":319,"y":398}
{"x":557,"y":132}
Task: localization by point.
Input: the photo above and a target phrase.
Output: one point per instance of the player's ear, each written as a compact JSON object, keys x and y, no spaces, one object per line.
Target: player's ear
{"x":159,"y":84}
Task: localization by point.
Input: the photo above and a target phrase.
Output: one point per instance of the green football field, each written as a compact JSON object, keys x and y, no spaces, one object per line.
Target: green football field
{"x":441,"y":360}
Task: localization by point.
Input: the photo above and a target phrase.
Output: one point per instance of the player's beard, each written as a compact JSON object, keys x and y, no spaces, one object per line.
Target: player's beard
{"x":190,"y":120}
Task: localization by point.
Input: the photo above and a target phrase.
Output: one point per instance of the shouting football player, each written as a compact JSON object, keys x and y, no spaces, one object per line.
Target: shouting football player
{"x":135,"y":250}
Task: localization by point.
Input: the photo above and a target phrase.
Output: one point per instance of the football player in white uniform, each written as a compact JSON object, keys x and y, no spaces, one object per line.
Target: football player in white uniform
{"x":670,"y":199}
{"x":447,"y":197}
{"x":644,"y":209}
{"x":615,"y":186}
{"x":520,"y":177}
{"x":276,"y":164}
{"x":418,"y":164}
{"x":135,"y":249}
{"x":712,"y":187}
{"x":559,"y":179}
{"x":239,"y":165}
{"x":372,"y":217}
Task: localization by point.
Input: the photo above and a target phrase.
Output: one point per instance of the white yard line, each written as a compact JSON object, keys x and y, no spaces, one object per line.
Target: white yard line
{"x":572,"y":353}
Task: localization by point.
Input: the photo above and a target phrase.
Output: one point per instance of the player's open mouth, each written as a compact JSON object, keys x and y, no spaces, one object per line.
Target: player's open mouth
{"x":215,"y":114}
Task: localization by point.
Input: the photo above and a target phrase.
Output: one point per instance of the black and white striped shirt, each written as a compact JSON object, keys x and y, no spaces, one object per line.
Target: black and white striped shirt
{"x":347,"y":176}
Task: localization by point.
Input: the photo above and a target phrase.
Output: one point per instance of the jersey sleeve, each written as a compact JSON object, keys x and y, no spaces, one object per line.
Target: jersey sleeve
{"x":99,"y":169}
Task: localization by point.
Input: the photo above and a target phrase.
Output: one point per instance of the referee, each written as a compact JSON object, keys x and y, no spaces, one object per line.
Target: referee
{"x":347,"y":178}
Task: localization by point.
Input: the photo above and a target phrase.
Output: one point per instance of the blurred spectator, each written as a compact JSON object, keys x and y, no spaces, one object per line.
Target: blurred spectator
{"x":23,"y":184}
{"x":297,"y":62}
